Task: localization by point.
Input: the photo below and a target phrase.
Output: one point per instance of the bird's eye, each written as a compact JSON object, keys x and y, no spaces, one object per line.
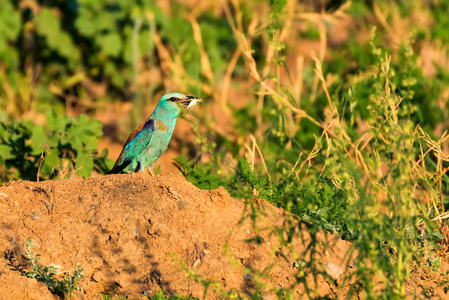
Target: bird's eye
{"x":173,"y":99}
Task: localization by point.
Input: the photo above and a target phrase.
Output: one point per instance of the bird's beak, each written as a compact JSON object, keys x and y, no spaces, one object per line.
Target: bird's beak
{"x":191,"y":101}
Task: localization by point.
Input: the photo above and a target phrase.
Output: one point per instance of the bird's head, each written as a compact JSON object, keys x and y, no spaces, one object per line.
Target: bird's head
{"x":186,"y":102}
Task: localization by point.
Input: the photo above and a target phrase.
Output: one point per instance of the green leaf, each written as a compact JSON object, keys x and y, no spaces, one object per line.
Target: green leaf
{"x":48,"y":26}
{"x":95,"y":127}
{"x":84,"y":164}
{"x":75,"y":143}
{"x":277,"y":5}
{"x":118,"y":79}
{"x":51,"y":160}
{"x":65,"y":47}
{"x":6,"y":152}
{"x":39,"y":139}
{"x":90,"y":142}
{"x":10,"y":23}
{"x":438,"y":235}
{"x":56,"y":122}
{"x":83,"y":23}
{"x":110,"y":44}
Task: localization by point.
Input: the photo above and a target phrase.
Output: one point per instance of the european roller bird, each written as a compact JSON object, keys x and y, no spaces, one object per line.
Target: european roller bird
{"x":150,"y":139}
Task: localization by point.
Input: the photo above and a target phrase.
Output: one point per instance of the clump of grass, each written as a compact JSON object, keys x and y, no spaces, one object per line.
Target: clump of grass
{"x":48,"y":274}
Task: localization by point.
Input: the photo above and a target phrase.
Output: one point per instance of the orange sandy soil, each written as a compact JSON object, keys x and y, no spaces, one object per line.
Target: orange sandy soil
{"x":127,"y":230}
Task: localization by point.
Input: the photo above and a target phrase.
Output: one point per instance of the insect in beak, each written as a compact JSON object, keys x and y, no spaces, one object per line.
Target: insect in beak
{"x":191,"y":101}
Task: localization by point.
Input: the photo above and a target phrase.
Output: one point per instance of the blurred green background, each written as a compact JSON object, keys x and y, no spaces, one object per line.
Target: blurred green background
{"x":113,"y":59}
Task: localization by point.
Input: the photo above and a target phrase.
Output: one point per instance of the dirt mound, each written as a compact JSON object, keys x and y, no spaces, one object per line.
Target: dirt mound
{"x":134,"y":234}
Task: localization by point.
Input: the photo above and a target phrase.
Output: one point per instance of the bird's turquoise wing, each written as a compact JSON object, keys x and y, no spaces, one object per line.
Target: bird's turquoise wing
{"x":134,"y":146}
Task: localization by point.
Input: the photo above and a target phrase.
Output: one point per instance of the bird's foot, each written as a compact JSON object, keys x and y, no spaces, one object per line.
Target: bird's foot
{"x":150,"y":171}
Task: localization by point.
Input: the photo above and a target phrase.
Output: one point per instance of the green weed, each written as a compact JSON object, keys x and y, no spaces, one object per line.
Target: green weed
{"x":47,"y":275}
{"x":198,"y":174}
{"x":157,"y":296}
{"x":161,"y":296}
{"x":109,"y":297}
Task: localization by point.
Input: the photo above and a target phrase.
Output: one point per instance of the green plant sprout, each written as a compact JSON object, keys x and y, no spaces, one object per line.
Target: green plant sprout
{"x":48,"y":274}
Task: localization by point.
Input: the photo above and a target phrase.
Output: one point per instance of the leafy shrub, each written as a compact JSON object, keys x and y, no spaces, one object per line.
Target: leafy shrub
{"x":67,"y":145}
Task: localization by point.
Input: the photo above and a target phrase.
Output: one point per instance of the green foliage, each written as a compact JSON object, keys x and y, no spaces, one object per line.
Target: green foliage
{"x":161,"y":296}
{"x":47,"y":275}
{"x":321,"y":202}
{"x":10,"y":27}
{"x":314,"y":200}
{"x":30,"y":151}
{"x":361,"y":179}
{"x":438,"y":30}
{"x":408,"y":80}
{"x":157,"y":296}
{"x":101,"y":41}
{"x":248,"y":184}
{"x":109,"y":297}
{"x":199,"y":174}
{"x":56,"y":39}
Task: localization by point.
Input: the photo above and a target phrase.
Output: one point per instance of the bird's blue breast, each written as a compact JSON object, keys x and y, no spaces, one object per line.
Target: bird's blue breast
{"x":159,"y":143}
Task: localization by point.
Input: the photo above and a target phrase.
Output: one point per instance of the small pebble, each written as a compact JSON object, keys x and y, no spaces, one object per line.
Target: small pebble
{"x":182,"y":205}
{"x":196,"y":263}
{"x":97,"y":276}
{"x":136,"y":230}
{"x":334,"y":271}
{"x":34,"y":217}
{"x":107,"y":184}
{"x":84,"y":198}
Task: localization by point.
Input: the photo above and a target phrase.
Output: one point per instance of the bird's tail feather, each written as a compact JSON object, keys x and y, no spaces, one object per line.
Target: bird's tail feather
{"x":119,"y":168}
